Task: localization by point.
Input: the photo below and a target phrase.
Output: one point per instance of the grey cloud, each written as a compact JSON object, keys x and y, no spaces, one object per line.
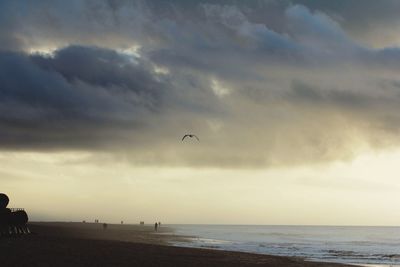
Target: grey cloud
{"x":374,"y":23}
{"x":54,"y":23}
{"x":291,"y":74}
{"x":76,"y":98}
{"x":333,"y":97}
{"x":107,"y":69}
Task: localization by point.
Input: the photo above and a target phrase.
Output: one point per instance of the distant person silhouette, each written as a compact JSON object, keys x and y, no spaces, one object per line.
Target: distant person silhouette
{"x":155,"y":227}
{"x":104,"y":226}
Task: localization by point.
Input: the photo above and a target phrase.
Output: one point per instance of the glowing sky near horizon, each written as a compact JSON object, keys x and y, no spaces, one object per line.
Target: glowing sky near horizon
{"x":296,"y":104}
{"x":55,"y":187}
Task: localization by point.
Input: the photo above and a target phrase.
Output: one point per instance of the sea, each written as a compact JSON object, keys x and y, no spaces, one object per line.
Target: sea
{"x":358,"y":245}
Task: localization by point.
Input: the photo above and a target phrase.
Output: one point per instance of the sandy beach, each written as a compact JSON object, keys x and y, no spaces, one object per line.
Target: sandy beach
{"x":79,"y":244}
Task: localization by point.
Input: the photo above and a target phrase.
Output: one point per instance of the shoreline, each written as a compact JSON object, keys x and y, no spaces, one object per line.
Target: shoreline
{"x":87,"y":244}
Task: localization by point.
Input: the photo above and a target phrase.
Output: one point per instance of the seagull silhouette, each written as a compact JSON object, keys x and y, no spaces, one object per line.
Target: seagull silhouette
{"x":191,"y":136}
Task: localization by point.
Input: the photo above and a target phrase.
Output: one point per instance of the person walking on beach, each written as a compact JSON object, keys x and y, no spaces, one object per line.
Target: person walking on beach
{"x":155,"y":227}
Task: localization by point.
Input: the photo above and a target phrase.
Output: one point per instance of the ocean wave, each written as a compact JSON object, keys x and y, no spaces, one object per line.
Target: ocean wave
{"x":280,"y":234}
{"x":343,"y":253}
{"x":390,"y":256}
{"x":357,"y":245}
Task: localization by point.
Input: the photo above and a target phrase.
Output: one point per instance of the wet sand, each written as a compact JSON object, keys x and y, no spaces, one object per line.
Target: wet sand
{"x":79,"y":244}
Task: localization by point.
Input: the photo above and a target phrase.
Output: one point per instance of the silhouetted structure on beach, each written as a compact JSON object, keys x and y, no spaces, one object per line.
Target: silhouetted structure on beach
{"x":13,"y":221}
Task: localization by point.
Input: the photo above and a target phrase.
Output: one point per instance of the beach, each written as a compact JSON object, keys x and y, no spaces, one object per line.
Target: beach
{"x":88,"y":244}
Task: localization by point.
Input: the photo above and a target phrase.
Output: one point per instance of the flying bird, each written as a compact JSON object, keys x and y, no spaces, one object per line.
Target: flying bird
{"x":191,"y":136}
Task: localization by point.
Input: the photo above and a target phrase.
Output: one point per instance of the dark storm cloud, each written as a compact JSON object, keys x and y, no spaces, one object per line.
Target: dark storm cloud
{"x":107,"y":69}
{"x":75,"y":96}
{"x":310,"y":95}
{"x":253,"y":78}
{"x":9,"y":36}
{"x":375,"y":23}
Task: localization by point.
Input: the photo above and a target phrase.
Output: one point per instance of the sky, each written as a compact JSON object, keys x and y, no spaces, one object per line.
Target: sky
{"x":295,"y":103}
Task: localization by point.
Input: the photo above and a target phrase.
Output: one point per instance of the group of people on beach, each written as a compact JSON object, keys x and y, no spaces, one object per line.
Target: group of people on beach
{"x":156,"y":226}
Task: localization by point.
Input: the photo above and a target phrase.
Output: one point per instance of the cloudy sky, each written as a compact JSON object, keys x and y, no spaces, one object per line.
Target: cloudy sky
{"x":296,"y":104}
